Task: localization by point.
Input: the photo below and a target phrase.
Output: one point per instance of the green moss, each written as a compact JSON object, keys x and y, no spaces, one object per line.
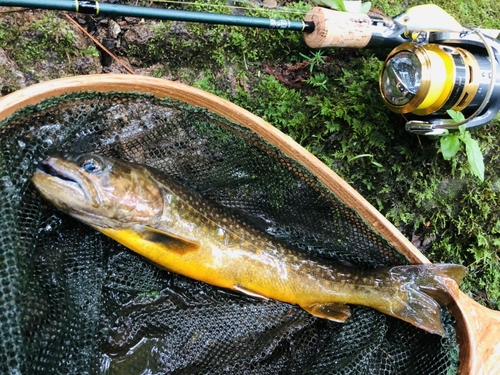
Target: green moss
{"x":40,"y":47}
{"x":200,"y":46}
{"x":484,"y":13}
{"x":89,"y":51}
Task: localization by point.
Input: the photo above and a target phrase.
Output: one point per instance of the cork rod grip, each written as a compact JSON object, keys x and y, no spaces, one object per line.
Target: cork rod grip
{"x":338,"y":29}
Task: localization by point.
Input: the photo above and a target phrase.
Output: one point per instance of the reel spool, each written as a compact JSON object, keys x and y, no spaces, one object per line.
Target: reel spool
{"x":432,"y":78}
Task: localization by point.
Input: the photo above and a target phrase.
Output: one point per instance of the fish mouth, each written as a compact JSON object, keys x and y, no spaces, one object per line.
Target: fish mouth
{"x":46,"y":168}
{"x":57,"y":180}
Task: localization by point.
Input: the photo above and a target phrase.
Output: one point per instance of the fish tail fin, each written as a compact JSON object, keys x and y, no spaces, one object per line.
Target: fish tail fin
{"x":422,"y":289}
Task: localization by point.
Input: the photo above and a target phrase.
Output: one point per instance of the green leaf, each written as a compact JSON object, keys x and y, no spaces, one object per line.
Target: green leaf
{"x":372,"y":159}
{"x":332,"y":4}
{"x":474,"y":155}
{"x":365,"y":7}
{"x":450,"y":145}
{"x":456,"y":115}
{"x":357,"y":7}
{"x":360,"y":156}
{"x":462,"y":128}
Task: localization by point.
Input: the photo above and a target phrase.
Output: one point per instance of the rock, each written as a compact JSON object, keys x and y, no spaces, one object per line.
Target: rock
{"x":270,"y":3}
{"x":138,"y":35}
{"x":11,"y":78}
{"x":106,"y":59}
{"x":114,"y":29}
{"x":88,"y":65}
{"x":134,"y":61}
{"x":132,"y":20}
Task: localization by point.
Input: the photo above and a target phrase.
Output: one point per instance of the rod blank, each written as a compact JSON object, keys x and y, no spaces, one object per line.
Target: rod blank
{"x":95,"y":7}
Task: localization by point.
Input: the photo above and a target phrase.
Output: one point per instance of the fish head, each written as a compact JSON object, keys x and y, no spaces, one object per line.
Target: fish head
{"x":102,"y":192}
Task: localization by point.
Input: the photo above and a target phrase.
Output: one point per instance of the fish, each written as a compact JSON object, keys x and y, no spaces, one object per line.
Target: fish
{"x":177,"y":229}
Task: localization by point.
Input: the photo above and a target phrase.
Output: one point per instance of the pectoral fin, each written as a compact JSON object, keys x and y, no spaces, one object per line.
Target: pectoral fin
{"x":170,"y":241}
{"x":338,"y":312}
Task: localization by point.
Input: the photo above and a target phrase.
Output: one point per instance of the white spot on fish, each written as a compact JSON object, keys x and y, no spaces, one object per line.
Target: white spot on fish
{"x":220,"y":232}
{"x":218,"y":256}
{"x":282,"y":269}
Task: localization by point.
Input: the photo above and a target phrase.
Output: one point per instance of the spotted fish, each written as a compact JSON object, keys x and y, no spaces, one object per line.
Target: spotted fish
{"x":177,"y":229}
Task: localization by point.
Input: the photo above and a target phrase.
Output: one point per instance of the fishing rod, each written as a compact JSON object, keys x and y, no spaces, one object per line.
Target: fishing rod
{"x":321,"y":27}
{"x":426,"y":74}
{"x":100,"y":8}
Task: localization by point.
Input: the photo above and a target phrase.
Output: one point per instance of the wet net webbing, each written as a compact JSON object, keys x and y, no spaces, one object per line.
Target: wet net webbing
{"x":73,"y":301}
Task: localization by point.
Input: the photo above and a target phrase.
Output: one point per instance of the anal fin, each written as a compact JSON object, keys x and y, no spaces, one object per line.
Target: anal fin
{"x":338,"y":312}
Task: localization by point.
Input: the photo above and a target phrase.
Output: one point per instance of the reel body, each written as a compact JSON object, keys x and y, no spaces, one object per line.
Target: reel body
{"x":448,"y":71}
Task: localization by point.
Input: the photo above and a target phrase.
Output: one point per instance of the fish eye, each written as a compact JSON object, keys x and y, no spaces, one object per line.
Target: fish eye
{"x":91,"y":166}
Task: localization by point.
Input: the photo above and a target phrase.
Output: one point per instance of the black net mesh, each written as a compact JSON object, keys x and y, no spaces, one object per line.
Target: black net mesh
{"x":75,"y":302}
